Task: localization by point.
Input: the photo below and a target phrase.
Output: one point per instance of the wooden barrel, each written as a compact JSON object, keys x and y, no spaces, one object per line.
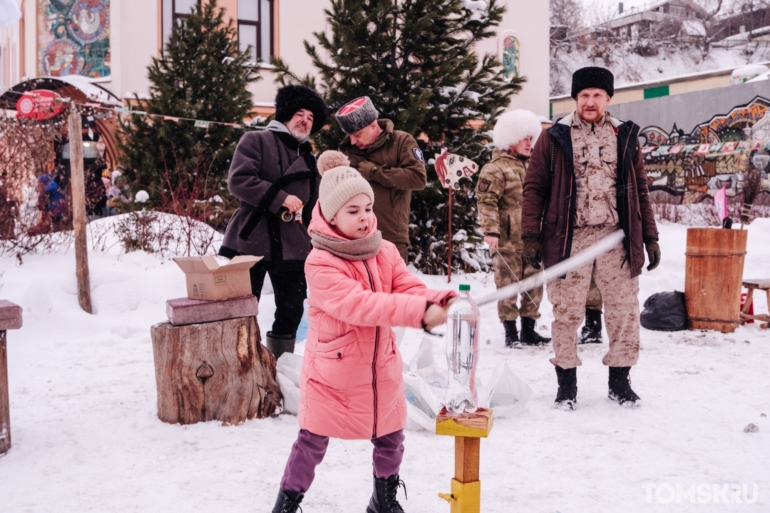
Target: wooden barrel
{"x":713,"y":276}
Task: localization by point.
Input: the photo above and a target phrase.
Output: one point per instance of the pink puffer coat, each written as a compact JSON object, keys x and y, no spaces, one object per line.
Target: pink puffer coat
{"x":351,"y":385}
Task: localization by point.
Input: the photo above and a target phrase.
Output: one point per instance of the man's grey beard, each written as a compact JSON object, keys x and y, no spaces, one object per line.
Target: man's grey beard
{"x":298,"y":135}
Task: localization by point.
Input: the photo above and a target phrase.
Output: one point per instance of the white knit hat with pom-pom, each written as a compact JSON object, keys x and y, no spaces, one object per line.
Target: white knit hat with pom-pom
{"x":339,"y":183}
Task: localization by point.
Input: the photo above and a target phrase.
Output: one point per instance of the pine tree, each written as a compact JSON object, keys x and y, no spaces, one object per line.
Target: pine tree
{"x":202,"y":75}
{"x":417,"y":61}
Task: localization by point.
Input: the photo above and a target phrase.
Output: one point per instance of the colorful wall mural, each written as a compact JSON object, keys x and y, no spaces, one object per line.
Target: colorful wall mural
{"x":716,"y":153}
{"x":510,"y":56}
{"x":73,"y":38}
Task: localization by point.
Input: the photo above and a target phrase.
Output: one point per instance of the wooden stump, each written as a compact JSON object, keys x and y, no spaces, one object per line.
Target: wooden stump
{"x":5,"y":410}
{"x":213,"y":371}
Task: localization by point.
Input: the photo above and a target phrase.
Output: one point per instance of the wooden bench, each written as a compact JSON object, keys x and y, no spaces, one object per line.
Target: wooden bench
{"x":751,"y":286}
{"x":10,"y":319}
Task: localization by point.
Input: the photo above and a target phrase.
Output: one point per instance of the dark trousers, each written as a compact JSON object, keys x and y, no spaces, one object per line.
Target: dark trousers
{"x":290,"y":288}
{"x":309,"y":451}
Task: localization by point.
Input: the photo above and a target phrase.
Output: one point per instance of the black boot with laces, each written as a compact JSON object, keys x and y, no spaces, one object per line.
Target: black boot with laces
{"x":511,"y":334}
{"x":620,"y":388}
{"x":288,"y":502}
{"x":529,"y":336}
{"x":592,"y":330}
{"x":566,"y":397}
{"x":384,"y":496}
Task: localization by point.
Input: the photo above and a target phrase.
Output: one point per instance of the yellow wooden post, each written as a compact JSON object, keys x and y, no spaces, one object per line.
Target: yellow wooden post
{"x":468,"y":430}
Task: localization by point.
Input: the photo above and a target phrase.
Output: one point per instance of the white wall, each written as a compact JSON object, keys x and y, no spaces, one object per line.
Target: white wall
{"x":529,"y":22}
{"x":134,"y":41}
{"x":9,"y":56}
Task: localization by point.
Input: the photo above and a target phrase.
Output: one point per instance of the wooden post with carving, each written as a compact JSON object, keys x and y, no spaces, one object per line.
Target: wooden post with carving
{"x":214,"y":371}
{"x":79,"y":219}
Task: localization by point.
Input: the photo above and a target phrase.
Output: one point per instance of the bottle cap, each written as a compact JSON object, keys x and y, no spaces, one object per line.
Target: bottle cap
{"x":465,"y":287}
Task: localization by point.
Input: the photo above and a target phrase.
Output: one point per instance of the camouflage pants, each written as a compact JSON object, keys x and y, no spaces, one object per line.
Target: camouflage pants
{"x":617,"y":288}
{"x":510,"y":269}
{"x":594,"y":301}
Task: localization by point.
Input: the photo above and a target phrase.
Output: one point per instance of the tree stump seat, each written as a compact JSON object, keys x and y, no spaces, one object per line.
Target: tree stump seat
{"x":214,"y":371}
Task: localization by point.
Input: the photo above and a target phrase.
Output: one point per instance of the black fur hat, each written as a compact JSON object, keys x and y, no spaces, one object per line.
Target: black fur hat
{"x":591,"y":76}
{"x":292,"y":98}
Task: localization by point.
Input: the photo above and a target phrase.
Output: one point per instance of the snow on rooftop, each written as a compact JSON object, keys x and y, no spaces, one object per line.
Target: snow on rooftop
{"x":91,"y":89}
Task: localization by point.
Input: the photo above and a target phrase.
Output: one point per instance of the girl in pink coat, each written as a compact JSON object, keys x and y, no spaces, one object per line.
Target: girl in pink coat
{"x":351,"y":386}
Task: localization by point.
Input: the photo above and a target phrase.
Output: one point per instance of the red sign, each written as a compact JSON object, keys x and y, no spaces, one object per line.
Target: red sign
{"x":40,"y":104}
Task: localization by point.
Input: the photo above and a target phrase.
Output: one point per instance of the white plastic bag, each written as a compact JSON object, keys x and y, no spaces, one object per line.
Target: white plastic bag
{"x":421,"y":404}
{"x":423,"y":364}
{"x":506,"y":393}
{"x":424,"y":384}
{"x":288,"y":369}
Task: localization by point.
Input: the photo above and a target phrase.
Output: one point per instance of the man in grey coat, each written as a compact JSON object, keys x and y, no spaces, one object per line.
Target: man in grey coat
{"x":274,"y":175}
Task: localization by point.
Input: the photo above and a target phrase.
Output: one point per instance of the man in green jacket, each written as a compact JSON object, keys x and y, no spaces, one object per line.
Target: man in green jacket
{"x":499,"y":191}
{"x":390,"y":160}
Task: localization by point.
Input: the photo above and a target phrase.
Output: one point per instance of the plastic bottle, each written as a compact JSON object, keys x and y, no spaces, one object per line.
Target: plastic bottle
{"x":462,"y":353}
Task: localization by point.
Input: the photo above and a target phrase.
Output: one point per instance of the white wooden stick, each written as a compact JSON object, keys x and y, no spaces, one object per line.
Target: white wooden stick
{"x":586,"y":256}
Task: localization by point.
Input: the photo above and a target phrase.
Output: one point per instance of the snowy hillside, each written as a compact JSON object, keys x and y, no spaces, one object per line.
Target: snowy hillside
{"x":631,"y":68}
{"x":86,"y":436}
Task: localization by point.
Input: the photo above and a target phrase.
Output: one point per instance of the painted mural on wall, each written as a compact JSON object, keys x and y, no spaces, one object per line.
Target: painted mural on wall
{"x":716,"y":154}
{"x":510,"y":56}
{"x":73,"y":38}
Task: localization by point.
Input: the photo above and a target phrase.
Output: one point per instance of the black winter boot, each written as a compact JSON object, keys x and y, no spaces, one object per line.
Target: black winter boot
{"x":384,"y":497}
{"x":620,"y":388}
{"x":592,"y":330}
{"x":566,"y":397}
{"x":528,"y":334}
{"x":288,"y":502}
{"x":511,"y":334}
{"x":279,"y":344}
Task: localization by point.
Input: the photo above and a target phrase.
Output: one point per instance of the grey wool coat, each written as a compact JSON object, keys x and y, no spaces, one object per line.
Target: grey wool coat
{"x":267,"y":167}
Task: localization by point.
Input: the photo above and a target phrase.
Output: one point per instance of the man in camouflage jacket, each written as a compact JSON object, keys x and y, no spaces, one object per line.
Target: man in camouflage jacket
{"x":586,"y":180}
{"x":499,"y":192}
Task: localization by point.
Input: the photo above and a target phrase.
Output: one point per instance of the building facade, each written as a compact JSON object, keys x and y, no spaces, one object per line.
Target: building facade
{"x":113,"y":41}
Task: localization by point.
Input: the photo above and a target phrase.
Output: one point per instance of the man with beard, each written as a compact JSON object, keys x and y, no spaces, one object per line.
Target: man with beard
{"x":585,"y":181}
{"x":274,"y":175}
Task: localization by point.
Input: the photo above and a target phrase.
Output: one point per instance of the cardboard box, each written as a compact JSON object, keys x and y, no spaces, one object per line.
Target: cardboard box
{"x":207,"y":280}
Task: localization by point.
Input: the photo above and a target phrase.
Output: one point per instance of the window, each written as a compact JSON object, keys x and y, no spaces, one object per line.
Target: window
{"x":678,"y":10}
{"x":174,"y":10}
{"x":255,"y":28}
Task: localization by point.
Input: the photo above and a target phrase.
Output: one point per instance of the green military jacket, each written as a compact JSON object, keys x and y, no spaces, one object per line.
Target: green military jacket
{"x":394,"y":167}
{"x":499,"y":192}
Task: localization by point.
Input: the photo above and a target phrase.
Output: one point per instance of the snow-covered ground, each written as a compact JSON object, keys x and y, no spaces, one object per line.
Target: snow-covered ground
{"x":86,"y":436}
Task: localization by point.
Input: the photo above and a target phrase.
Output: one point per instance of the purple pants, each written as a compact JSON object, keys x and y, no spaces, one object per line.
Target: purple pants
{"x":309,"y":450}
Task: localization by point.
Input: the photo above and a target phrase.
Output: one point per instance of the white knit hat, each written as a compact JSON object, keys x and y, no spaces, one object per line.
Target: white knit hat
{"x":514,"y":126}
{"x":339,"y":183}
